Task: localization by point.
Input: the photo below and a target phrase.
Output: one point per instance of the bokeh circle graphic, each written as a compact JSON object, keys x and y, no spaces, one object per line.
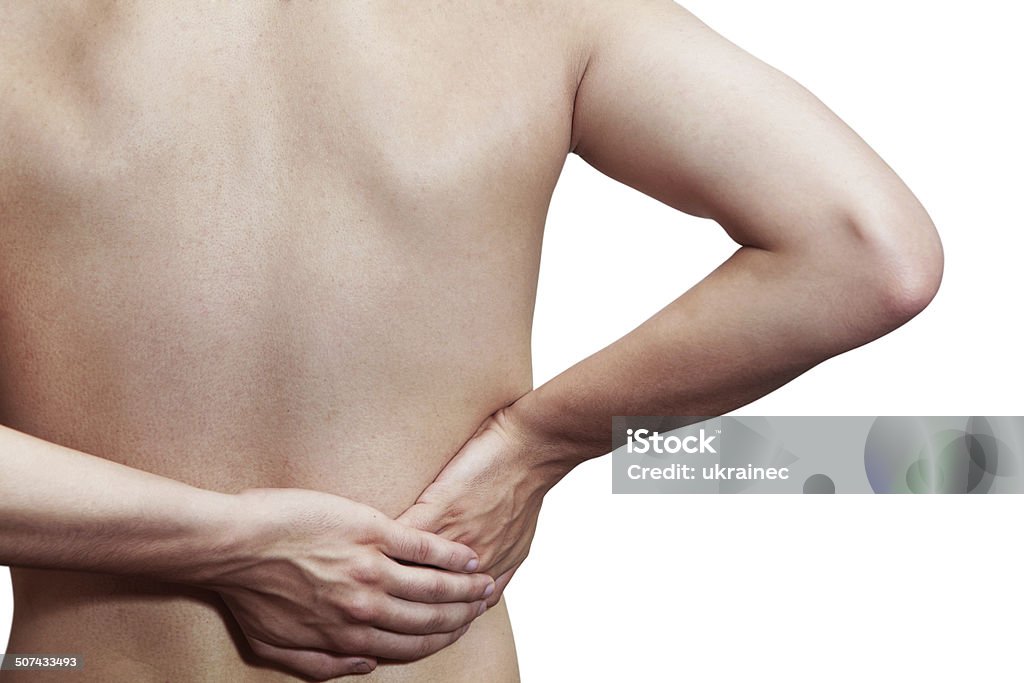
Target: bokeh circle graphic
{"x":923,"y":455}
{"x":819,"y":483}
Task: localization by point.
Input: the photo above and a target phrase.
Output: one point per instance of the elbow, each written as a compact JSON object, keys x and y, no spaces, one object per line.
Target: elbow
{"x":874,"y":270}
{"x":914,"y":284}
{"x":900,"y":260}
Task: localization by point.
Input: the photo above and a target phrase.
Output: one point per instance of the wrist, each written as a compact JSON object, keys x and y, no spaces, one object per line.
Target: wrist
{"x":547,"y":454}
{"x":220,"y":536}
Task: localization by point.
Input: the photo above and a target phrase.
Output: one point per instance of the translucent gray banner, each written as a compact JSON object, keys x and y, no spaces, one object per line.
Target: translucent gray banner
{"x":818,"y":455}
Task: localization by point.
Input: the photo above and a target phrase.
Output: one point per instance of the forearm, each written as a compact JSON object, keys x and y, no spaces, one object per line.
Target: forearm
{"x":836,"y":249}
{"x":757,"y":322}
{"x":63,"y":509}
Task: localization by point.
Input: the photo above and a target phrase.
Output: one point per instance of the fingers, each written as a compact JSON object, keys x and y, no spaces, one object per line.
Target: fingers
{"x":499,"y":586}
{"x":412,"y":545}
{"x":402,"y":647}
{"x":403,"y":616}
{"x":423,"y":584}
{"x":315,"y":664}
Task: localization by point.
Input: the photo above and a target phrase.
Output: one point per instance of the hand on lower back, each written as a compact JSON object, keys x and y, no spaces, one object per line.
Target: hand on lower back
{"x":487,"y":497}
{"x":319,"y":588}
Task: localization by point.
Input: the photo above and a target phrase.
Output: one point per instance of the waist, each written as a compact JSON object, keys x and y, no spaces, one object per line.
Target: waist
{"x":381,"y":449}
{"x":127,"y":628}
{"x":132,"y":629}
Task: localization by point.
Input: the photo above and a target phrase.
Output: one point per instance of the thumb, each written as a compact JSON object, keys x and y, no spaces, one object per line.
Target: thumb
{"x":419,"y":516}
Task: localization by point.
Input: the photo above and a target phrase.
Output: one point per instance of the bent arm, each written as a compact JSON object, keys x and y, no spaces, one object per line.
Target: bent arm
{"x":63,"y":509}
{"x":834,"y":249}
{"x":309,"y":576}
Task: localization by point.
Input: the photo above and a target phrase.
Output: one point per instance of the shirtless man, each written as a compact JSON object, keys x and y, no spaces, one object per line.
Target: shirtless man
{"x":265,"y":268}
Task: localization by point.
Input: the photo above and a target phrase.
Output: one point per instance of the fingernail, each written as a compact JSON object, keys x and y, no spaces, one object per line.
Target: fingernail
{"x":362,"y":668}
{"x":472,"y":565}
{"x":488,"y":590}
{"x":483,"y":608}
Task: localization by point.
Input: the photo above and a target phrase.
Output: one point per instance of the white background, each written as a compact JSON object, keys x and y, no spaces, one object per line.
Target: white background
{"x":825,"y":588}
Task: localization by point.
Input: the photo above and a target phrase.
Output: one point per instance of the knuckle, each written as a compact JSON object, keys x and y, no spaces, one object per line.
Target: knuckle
{"x":365,"y":570}
{"x":437,"y":589}
{"x":466,"y":589}
{"x":361,"y":609}
{"x":435,"y":621}
{"x":421,"y":549}
{"x":410,"y":586}
{"x":452,"y":512}
{"x":371,"y":533}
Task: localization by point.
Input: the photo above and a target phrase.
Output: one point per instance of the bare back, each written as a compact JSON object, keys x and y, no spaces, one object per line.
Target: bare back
{"x":292,"y":246}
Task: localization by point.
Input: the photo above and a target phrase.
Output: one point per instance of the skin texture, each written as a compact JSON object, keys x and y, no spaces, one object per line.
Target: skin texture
{"x":834,"y":252}
{"x":249,"y":249}
{"x":305,"y":574}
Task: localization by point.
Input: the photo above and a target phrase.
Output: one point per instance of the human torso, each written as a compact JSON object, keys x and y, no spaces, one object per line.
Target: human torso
{"x":278,"y":244}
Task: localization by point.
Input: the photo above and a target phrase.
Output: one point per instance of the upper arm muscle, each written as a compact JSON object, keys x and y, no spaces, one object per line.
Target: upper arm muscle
{"x":668,"y":106}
